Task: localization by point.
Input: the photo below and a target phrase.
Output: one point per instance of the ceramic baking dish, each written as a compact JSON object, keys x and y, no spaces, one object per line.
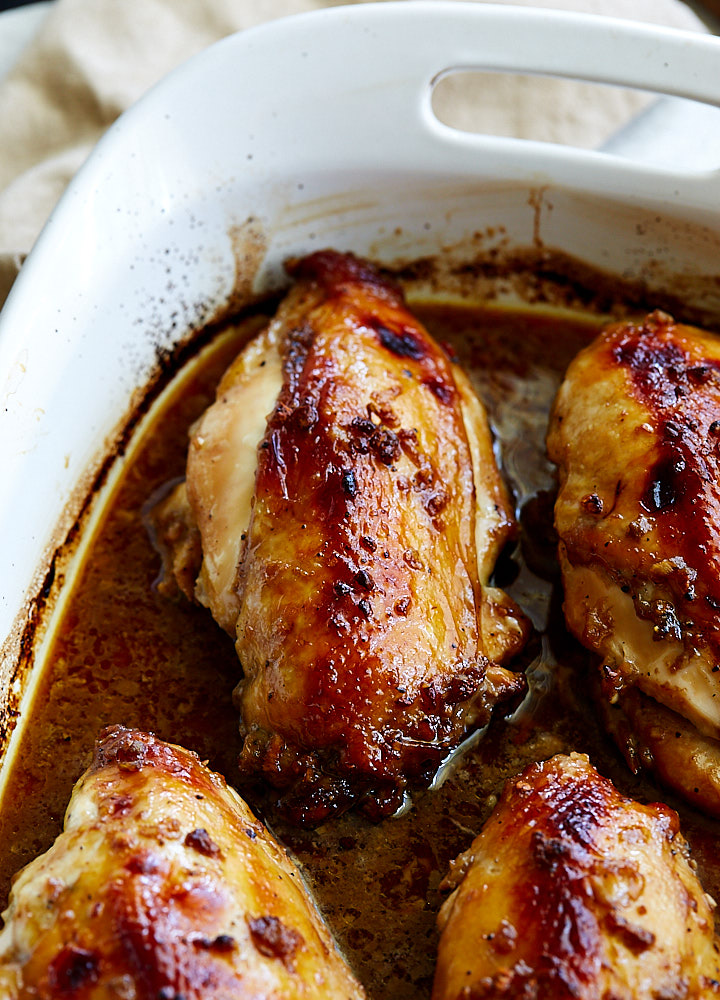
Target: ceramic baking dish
{"x":308,"y":132}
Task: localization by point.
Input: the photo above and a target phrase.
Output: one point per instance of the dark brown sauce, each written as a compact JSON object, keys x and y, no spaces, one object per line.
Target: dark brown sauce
{"x":127,"y":655}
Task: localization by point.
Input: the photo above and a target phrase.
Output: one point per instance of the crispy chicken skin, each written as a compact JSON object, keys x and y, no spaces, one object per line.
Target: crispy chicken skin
{"x":635,"y":433}
{"x":351,"y":511}
{"x":164,"y":885}
{"x":573,"y":891}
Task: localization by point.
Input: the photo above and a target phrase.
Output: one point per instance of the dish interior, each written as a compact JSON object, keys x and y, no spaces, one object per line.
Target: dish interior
{"x":123,"y":653}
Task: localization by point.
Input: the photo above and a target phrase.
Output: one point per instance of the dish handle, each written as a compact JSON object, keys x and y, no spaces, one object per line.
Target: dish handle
{"x":402,"y":49}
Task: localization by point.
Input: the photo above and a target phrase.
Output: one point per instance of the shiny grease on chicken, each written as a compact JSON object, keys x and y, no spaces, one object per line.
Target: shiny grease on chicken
{"x":635,"y":433}
{"x":164,"y":885}
{"x":350,"y":512}
{"x":571,"y":892}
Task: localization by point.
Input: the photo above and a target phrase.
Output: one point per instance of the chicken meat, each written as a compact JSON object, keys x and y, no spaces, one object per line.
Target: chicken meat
{"x":573,"y":892}
{"x":635,"y":433}
{"x":164,"y":885}
{"x":350,"y":512}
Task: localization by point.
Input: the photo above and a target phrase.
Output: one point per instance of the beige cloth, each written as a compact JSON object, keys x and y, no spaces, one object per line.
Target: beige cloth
{"x":91,"y":59}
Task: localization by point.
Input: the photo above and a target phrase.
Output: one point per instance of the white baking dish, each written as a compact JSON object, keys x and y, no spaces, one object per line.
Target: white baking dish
{"x":308,"y":132}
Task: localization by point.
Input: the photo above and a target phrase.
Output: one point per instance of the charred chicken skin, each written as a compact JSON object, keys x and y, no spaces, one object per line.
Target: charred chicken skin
{"x":635,"y":433}
{"x":572,"y":892}
{"x":164,"y":885}
{"x":350,"y":512}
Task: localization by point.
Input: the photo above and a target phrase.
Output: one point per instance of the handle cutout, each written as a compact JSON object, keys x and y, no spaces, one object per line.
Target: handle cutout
{"x":669,"y":132}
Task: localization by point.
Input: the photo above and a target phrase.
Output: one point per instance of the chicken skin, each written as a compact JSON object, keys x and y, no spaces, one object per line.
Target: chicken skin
{"x":572,"y":892}
{"x":350,"y":512}
{"x":635,"y":433}
{"x":164,"y":885}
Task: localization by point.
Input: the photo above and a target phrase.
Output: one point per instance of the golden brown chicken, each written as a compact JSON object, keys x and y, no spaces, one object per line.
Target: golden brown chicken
{"x":163,"y":885}
{"x":573,"y":892}
{"x":350,"y":512}
{"x":635,"y":432}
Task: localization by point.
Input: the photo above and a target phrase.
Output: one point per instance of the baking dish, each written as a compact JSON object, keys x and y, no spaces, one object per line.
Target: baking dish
{"x":313,"y":131}
{"x":309,"y":132}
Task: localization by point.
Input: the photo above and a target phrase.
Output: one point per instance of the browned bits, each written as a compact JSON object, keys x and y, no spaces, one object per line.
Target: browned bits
{"x":131,"y":755}
{"x":670,"y":481}
{"x":364,"y":580}
{"x":368,"y":437}
{"x":365,"y":608}
{"x":119,"y":805}
{"x":273,"y":939}
{"x":402,"y":606}
{"x":385,"y":446}
{"x":404,"y":342}
{"x":700,"y":374}
{"x":592,"y":504}
{"x":349,"y":483}
{"x":72,"y":969}
{"x":444,"y":392}
{"x":436,"y":502}
{"x":143,"y":863}
{"x":411,"y":557}
{"x":222,"y":944}
{"x":201,"y":841}
{"x":636,"y":938}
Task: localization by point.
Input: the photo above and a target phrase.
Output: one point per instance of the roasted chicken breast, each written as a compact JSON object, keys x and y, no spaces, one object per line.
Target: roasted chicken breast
{"x":635,"y":433}
{"x":350,"y":512}
{"x":164,"y":885}
{"x":572,"y":892}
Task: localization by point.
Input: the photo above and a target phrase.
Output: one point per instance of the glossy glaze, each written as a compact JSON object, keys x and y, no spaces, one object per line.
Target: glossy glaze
{"x":572,"y":891}
{"x":370,"y":641}
{"x":634,"y":431}
{"x":164,"y":885}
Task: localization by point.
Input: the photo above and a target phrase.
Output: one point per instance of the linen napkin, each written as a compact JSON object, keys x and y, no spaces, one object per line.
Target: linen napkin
{"x":91,"y":59}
